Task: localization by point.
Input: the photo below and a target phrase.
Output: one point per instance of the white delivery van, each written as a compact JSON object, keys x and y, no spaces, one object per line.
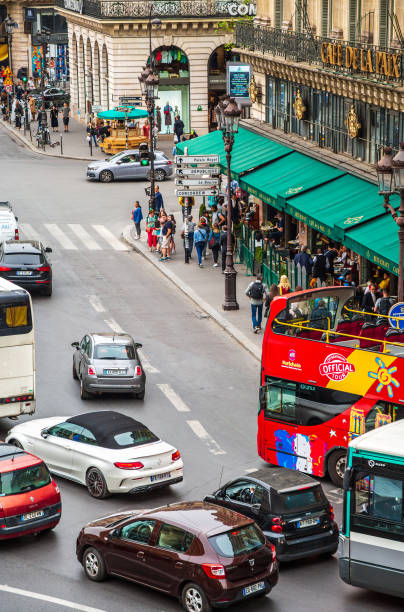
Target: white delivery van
{"x":8,"y":223}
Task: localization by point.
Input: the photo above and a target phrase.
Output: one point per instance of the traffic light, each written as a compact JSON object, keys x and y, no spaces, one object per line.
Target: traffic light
{"x":182,"y":201}
{"x":22,"y":74}
{"x":144,"y":155}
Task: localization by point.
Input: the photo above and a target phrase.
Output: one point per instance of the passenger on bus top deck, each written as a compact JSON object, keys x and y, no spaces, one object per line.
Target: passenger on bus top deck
{"x":319,"y":316}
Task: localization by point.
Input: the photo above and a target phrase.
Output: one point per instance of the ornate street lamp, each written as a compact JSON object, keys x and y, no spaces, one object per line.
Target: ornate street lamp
{"x":10,"y":26}
{"x":228,"y":117}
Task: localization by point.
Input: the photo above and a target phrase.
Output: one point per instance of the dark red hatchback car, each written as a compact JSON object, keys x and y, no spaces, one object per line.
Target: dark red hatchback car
{"x":199,"y":552}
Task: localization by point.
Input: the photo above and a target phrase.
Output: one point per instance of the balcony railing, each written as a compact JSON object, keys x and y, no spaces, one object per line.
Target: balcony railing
{"x":304,"y":47}
{"x":138,"y":9}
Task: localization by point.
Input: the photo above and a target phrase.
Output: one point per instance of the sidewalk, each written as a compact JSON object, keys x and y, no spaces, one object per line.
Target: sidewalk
{"x":75,"y":145}
{"x":205,"y":287}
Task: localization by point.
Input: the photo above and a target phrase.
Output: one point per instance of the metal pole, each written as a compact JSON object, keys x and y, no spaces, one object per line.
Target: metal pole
{"x":400,"y":222}
{"x":10,"y":42}
{"x":230,"y":299}
{"x":150,"y":109}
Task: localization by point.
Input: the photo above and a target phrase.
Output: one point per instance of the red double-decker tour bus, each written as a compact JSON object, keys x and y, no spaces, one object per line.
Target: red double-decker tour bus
{"x":329,"y":374}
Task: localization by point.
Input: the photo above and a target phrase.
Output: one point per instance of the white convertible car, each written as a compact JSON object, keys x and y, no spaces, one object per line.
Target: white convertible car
{"x":106,"y":451}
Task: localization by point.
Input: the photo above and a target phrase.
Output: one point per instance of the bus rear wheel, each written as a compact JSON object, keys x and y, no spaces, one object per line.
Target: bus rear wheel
{"x":336,"y":467}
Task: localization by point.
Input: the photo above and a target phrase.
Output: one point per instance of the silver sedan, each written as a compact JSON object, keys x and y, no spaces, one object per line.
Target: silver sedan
{"x":126,"y":165}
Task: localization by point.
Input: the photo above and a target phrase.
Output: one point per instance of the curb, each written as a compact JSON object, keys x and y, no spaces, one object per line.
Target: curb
{"x":35,"y":149}
{"x":190,"y":293}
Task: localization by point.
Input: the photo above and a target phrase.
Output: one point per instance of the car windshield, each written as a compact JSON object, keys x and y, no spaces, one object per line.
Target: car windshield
{"x":26,"y":479}
{"x":136,"y":437}
{"x":114,"y":351}
{"x":297,"y":501}
{"x":114,"y":157}
{"x":27,"y":259}
{"x":237,"y":542}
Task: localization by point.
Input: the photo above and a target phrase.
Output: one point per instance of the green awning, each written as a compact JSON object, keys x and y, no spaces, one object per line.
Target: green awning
{"x":290,"y":175}
{"x":249,"y":150}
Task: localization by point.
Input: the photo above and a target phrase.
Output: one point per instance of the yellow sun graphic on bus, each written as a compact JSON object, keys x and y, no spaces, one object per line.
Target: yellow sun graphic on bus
{"x":384,"y":376}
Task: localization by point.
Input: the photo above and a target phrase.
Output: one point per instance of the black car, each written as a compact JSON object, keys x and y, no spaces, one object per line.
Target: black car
{"x":52,"y":95}
{"x":289,"y":506}
{"x":24,"y":262}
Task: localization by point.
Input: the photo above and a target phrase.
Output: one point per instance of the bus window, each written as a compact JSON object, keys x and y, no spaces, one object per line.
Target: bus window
{"x":319,"y":313}
{"x":316,"y":405}
{"x":15,"y":319}
{"x":378,"y":505}
{"x":280,"y":401}
{"x":16,"y":316}
{"x":383,"y":413}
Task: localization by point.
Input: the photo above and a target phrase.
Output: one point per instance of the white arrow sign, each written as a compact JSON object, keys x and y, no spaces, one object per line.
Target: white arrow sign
{"x":197,"y":159}
{"x":198,"y":171}
{"x":193,"y":192}
{"x":209,"y":182}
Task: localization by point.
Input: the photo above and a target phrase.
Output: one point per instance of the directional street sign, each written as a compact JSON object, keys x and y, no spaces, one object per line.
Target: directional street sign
{"x":197,"y":159}
{"x":191,"y":192}
{"x":198,"y":171}
{"x":209,"y":182}
{"x":130,"y":100}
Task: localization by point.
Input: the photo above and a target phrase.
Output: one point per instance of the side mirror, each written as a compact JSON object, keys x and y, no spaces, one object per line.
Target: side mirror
{"x":75,"y":345}
{"x":349,"y":478}
{"x":138,"y":345}
{"x":16,"y":218}
{"x":115,"y":533}
{"x":48,"y":250}
{"x":44,"y":433}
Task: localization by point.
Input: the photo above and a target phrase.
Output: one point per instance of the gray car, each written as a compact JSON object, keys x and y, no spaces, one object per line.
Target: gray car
{"x":108,"y":363}
{"x":126,"y":165}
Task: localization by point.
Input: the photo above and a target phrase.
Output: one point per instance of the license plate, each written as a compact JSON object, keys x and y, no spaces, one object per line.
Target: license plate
{"x":160,"y":476}
{"x":115,"y":372}
{"x":308,"y":522}
{"x":32,"y":515}
{"x":24,"y":272}
{"x":253,"y":588}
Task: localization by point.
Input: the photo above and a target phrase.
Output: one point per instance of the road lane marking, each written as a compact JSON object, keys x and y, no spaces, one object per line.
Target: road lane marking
{"x":96,"y":303}
{"x":201,"y":432}
{"x":60,"y":236}
{"x":175,"y":399}
{"x":49,"y":598}
{"x":251,"y":470}
{"x":147,"y":366}
{"x":112,"y":324}
{"x":84,"y":236}
{"x":110,"y":238}
{"x":29,"y":232}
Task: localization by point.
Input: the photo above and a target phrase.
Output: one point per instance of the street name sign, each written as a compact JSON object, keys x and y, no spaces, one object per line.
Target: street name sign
{"x":197,"y":159}
{"x":193,"y":192}
{"x":209,"y":182}
{"x":130,"y":100}
{"x":197,"y":171}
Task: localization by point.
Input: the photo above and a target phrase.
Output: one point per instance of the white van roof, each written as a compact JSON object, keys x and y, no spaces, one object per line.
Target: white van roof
{"x":387,"y":440}
{"x":5,"y":285}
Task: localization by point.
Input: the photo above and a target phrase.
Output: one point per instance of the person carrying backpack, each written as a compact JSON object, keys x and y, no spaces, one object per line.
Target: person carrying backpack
{"x":257,"y":292}
{"x":214,"y":243}
{"x":200,"y":240}
{"x":383,"y":304}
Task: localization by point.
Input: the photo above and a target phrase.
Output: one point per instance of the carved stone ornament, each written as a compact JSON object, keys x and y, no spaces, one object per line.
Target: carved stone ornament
{"x":253,"y":90}
{"x":299,"y":106}
{"x":352,"y":123}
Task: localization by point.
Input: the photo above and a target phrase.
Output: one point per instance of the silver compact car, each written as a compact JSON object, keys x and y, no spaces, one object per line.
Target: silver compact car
{"x":126,"y":165}
{"x":108,"y":363}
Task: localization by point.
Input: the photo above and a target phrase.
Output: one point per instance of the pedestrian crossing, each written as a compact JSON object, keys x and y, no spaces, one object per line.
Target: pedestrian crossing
{"x":73,"y":236}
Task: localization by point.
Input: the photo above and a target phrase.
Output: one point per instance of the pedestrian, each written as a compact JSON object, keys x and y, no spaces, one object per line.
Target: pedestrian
{"x":151,"y":230}
{"x":18,"y":112}
{"x":284,"y":285}
{"x":172,"y":242}
{"x":383,"y":304}
{"x":54,"y":119}
{"x":319,"y":269}
{"x":200,"y":240}
{"x":178,"y":128}
{"x":158,"y":199}
{"x":257,"y":292}
{"x":66,"y":117}
{"x":137,"y":217}
{"x":385,"y":283}
{"x":330,"y":256}
{"x":217,"y":216}
{"x":369,"y":301}
{"x":32,"y":107}
{"x":214,"y":243}
{"x":166,"y":231}
{"x":273,"y":292}
{"x":91,"y":134}
{"x":304,"y":260}
{"x":191,"y":229}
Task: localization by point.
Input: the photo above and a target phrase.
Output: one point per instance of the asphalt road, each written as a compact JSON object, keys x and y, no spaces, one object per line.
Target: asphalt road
{"x":96,"y":288}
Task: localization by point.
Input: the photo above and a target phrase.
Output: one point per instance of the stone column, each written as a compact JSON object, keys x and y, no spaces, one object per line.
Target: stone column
{"x":81,"y":67}
{"x":72,"y":68}
{"x":21,"y":43}
{"x":96,"y":73}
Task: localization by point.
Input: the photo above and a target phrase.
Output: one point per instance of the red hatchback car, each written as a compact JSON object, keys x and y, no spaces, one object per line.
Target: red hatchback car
{"x":29,"y":498}
{"x":205,"y":555}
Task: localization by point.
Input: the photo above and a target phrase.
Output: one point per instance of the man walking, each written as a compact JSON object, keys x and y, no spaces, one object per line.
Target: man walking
{"x":257,"y":292}
{"x":166,"y":231}
{"x":158,"y":199}
{"x":304,"y":260}
{"x":137,"y":216}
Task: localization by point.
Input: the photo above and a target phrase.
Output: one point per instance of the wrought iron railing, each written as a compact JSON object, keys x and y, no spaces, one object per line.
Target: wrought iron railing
{"x":304,"y":47}
{"x":113,"y":9}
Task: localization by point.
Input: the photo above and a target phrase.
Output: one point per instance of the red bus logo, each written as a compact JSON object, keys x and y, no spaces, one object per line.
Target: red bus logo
{"x":336,"y":367}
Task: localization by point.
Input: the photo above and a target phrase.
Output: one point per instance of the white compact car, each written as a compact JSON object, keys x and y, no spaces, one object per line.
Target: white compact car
{"x":106,"y":451}
{"x":8,"y":223}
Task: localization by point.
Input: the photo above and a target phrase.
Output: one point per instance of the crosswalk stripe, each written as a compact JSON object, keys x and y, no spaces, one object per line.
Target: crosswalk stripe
{"x":60,"y":236}
{"x":29,"y":232}
{"x":84,"y":236}
{"x":110,"y":238}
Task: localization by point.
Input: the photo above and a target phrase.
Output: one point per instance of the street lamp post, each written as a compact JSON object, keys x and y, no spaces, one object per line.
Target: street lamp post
{"x":228,"y":117}
{"x":390,"y":173}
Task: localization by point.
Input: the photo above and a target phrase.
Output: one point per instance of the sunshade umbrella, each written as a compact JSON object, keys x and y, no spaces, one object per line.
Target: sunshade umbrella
{"x":133,"y":113}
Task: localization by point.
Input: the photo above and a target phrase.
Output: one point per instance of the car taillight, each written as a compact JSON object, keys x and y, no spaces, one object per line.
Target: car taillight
{"x":169,"y":162}
{"x":55,"y":486}
{"x":91,"y":371}
{"x":16,"y":234}
{"x":129,"y":465}
{"x":331,"y":512}
{"x":213,"y":570}
{"x":277,"y":525}
{"x":175,"y":456}
{"x":44,"y":269}
{"x":273,"y":552}
{"x":4,"y":269}
{"x":138,"y":371}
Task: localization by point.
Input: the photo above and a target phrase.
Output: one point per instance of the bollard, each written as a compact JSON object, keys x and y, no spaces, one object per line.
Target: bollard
{"x":90,"y":144}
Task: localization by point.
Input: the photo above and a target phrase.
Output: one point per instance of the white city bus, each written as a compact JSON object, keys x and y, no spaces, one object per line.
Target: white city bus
{"x":371,"y":549}
{"x":17,"y":351}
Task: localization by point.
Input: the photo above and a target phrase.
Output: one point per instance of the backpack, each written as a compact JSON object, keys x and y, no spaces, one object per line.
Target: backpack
{"x":215,"y":239}
{"x":384,"y":306}
{"x":256,"y":291}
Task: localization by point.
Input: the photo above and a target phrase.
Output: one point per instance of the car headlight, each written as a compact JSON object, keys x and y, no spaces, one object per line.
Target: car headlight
{"x":90,"y":168}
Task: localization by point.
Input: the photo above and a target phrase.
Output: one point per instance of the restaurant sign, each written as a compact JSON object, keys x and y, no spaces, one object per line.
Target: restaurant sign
{"x":366,"y":61}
